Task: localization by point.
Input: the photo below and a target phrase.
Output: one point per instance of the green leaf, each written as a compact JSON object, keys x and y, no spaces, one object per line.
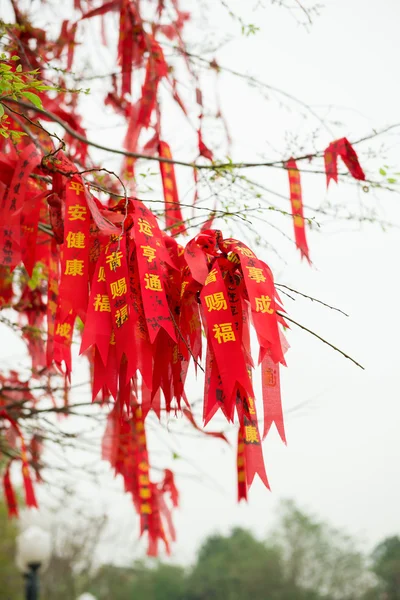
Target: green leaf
{"x":19,"y":69}
{"x":391,"y":180}
{"x":33,"y":98}
{"x":382,"y":172}
{"x":1,"y":110}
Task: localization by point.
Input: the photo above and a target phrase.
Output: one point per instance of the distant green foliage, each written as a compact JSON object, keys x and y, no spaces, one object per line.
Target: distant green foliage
{"x":303,"y":559}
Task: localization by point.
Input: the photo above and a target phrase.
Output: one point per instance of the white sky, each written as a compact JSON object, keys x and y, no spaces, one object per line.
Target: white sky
{"x":342,"y":458}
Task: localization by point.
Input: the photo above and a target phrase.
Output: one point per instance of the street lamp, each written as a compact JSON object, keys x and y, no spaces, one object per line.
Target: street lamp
{"x":33,"y":553}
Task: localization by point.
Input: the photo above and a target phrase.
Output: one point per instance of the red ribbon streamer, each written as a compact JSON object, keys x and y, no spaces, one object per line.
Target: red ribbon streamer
{"x":297,"y":209}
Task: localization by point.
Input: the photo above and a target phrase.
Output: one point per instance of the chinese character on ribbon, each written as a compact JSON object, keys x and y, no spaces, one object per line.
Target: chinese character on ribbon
{"x":298,"y":221}
{"x":246,"y":252}
{"x":194,"y":323}
{"x":241,"y":476}
{"x":183,"y":287}
{"x":233,"y":258}
{"x":251,"y":407}
{"x":152,"y":282}
{"x":76,"y":240}
{"x":256,"y":274}
{"x":216,"y":301}
{"x":114,"y":260}
{"x":263,"y":305}
{"x":224,"y":333}
{"x":77,"y":187}
{"x":118,"y":288}
{"x":149,"y":253}
{"x":211,"y":277}
{"x":63,"y":330}
{"x":102,"y":303}
{"x":101,"y":276}
{"x":270,"y":379}
{"x":145,"y":493}
{"x":74,"y":267}
{"x":77,"y":212}
{"x":145,"y":227}
{"x":251,"y":434}
{"x":121,"y":315}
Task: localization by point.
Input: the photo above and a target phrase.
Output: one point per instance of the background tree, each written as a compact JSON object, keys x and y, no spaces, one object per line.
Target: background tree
{"x":386,"y":565}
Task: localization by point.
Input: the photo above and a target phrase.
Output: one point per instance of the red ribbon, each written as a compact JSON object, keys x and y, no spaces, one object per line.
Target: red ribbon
{"x":345,"y":150}
{"x":297,"y":208}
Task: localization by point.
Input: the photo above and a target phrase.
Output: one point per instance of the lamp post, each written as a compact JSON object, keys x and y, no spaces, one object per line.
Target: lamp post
{"x":33,"y":553}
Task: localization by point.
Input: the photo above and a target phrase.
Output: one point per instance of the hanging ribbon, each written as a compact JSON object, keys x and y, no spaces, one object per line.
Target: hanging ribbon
{"x":173,"y":215}
{"x":297,"y":208}
{"x":345,"y":150}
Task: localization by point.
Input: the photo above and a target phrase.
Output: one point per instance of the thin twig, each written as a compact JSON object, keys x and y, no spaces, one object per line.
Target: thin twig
{"x":212,"y":167}
{"x":311,"y":298}
{"x":284,"y":316}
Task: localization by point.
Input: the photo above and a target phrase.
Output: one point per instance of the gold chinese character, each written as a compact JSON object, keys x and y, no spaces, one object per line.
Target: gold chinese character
{"x":216,"y":301}
{"x":167,"y":168}
{"x":143,"y":480}
{"x":143,"y":466}
{"x":175,"y":355}
{"x":240,"y":461}
{"x":118,"y":288}
{"x":169,"y":198}
{"x":211,"y":277}
{"x":233,"y":258}
{"x":224,"y":333}
{"x":142,"y":439}
{"x":101,"y":276}
{"x":240,"y":447}
{"x":74,"y":267}
{"x":168,"y":184}
{"x":149,"y":253}
{"x":145,"y":509}
{"x":241,"y":476}
{"x":296,"y":204}
{"x":251,"y":434}
{"x":256,"y":274}
{"x":270,"y":379}
{"x":52,"y":306}
{"x":114,"y":260}
{"x":145,"y":227}
{"x":54,"y":286}
{"x":194,"y":323}
{"x":246,"y":252}
{"x":102,"y":303}
{"x":252,"y":408}
{"x":75,"y":240}
{"x":112,"y":338}
{"x":63,"y":330}
{"x":183,"y":287}
{"x":121,"y":315}
{"x":263,"y":305}
{"x":298,"y":221}
{"x":77,"y":187}
{"x":77,"y":212}
{"x":152,"y":282}
{"x":295,"y":188}
{"x":139,"y":426}
{"x":145,"y":493}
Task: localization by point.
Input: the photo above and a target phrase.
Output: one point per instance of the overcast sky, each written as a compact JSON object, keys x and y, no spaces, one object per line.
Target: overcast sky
{"x":341,"y":462}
